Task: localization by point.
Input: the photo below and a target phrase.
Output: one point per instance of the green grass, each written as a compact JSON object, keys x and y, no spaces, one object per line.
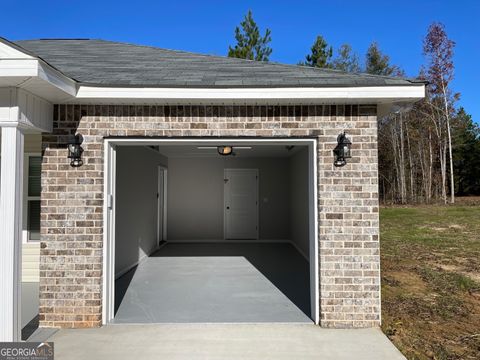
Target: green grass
{"x":451,"y":231}
{"x":447,"y":282}
{"x":431,"y":280}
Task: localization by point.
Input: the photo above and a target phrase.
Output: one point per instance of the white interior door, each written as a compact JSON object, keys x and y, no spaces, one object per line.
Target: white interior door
{"x":241,"y":203}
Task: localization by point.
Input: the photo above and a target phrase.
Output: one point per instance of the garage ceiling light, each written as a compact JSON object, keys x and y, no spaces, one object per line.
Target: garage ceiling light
{"x":224,"y":150}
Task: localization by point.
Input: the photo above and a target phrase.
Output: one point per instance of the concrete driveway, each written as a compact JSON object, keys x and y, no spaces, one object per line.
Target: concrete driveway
{"x":222,"y":341}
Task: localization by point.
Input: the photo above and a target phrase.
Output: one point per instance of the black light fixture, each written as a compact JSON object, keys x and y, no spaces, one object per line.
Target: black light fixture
{"x":342,"y":150}
{"x":75,"y":151}
{"x":224,"y":150}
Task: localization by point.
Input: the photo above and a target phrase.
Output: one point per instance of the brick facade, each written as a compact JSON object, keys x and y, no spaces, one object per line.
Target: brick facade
{"x":72,"y":200}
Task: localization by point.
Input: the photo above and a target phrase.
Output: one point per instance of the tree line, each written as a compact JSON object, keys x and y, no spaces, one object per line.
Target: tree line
{"x":427,"y":153}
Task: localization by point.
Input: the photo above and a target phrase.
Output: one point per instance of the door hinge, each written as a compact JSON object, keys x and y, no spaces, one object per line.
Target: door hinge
{"x":110,"y":202}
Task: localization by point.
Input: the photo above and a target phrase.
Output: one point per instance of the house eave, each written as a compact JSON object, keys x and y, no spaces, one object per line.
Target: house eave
{"x":20,"y":69}
{"x":264,"y":95}
{"x":38,"y":78}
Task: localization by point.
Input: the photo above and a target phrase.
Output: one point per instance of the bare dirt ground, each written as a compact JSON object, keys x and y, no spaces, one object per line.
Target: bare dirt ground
{"x":431,"y":279}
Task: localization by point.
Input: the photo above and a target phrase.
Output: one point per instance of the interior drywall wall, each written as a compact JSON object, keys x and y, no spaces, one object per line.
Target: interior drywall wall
{"x":195,"y":197}
{"x":136,"y":204}
{"x":299,"y":216}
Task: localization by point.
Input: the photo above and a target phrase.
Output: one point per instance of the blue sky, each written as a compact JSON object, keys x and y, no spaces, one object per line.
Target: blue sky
{"x":208,"y":26}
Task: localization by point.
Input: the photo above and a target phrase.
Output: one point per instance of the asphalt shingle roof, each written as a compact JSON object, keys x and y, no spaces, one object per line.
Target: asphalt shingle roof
{"x":108,"y":63}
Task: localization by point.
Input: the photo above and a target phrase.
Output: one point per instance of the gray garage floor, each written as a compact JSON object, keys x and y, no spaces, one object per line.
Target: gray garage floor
{"x":216,"y":283}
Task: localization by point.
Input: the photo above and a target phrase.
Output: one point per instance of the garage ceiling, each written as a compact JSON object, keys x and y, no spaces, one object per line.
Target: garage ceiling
{"x":257,"y":151}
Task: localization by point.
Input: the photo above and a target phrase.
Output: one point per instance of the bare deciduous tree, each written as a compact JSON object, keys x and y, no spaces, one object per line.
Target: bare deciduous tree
{"x":438,"y":49}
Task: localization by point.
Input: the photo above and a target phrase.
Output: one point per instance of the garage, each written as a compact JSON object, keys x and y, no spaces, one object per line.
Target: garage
{"x":210,"y":231}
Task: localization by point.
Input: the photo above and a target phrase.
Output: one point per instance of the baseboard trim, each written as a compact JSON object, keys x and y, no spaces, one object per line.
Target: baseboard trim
{"x":138,"y":262}
{"x":281,"y":241}
{"x":253,"y":241}
{"x":166,"y":242}
{"x":299,"y":250}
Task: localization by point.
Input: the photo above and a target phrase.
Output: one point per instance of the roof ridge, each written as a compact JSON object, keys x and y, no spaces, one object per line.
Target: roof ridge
{"x":51,"y":39}
{"x":61,"y":39}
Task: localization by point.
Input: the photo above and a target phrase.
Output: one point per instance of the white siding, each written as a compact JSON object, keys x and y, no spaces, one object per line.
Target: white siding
{"x":30,"y":261}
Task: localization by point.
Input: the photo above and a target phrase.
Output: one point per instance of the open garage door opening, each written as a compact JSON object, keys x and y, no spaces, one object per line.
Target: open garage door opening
{"x":210,"y":231}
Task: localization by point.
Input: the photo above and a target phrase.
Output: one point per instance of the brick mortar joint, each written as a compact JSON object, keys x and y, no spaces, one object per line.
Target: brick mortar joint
{"x":104,"y":119}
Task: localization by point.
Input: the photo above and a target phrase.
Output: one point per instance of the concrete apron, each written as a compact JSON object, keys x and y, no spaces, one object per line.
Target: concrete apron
{"x":222,"y":341}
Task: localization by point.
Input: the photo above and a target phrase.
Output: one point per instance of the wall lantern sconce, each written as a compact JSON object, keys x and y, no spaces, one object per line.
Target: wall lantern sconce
{"x":225,"y":150}
{"x":75,"y":151}
{"x":342,"y":150}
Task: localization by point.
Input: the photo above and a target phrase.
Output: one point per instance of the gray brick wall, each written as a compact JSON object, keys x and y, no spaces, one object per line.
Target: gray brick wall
{"x":72,"y":200}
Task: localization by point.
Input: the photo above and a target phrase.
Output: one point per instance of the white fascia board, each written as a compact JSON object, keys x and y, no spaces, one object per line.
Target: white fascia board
{"x":373,"y":93}
{"x":56,"y":79}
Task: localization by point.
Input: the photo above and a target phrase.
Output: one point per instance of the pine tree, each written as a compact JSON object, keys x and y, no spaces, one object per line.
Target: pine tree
{"x":378,"y":63}
{"x":320,"y":54}
{"x":346,"y":59}
{"x":466,"y":158}
{"x":250,"y":44}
